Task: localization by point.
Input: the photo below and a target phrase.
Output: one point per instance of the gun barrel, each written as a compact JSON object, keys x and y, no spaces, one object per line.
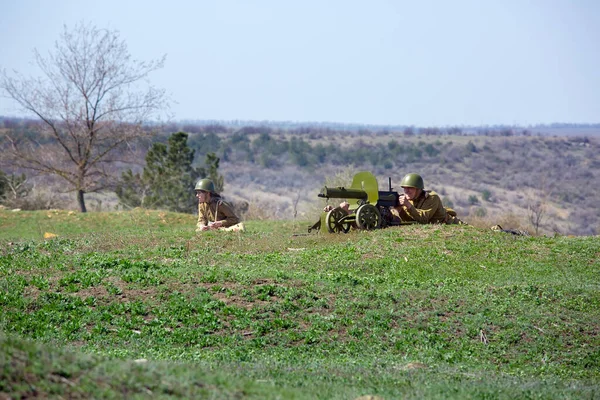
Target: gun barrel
{"x":343,"y":193}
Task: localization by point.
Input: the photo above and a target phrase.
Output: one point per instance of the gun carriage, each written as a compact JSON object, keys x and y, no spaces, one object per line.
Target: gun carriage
{"x":369,"y":207}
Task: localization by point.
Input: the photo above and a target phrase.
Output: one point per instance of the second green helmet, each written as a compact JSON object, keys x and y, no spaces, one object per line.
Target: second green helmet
{"x":413,"y":180}
{"x":205,"y":184}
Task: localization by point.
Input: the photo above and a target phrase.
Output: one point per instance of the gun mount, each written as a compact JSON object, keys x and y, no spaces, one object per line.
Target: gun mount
{"x":369,"y":208}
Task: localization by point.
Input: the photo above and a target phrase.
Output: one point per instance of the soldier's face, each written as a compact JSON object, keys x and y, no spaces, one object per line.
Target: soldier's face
{"x":203,"y":197}
{"x":411,"y":193}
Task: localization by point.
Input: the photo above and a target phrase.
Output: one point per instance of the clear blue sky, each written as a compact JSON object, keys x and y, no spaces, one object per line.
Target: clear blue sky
{"x":423,"y":63}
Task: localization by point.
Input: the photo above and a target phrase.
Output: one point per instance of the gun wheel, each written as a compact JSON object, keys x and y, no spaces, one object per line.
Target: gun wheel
{"x":334,"y":224}
{"x":368,"y":217}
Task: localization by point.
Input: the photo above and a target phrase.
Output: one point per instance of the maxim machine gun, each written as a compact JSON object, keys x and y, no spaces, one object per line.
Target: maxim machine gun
{"x":369,"y":207}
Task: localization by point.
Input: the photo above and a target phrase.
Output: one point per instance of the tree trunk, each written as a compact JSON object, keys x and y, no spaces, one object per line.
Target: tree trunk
{"x":81,"y":201}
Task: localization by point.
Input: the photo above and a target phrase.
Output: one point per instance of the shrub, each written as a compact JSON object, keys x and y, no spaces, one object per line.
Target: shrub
{"x":486,"y":195}
{"x":480,"y":212}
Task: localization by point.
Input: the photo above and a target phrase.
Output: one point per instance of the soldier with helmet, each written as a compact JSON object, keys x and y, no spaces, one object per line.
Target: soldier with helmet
{"x":422,"y":206}
{"x":213,"y":212}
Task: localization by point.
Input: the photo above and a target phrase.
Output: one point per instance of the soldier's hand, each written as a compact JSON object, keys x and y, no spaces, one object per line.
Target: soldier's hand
{"x":345,"y":206}
{"x":215,"y":225}
{"x":403,"y":200}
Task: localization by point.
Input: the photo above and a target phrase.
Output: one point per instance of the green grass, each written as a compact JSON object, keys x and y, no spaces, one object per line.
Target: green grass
{"x":409,"y":312}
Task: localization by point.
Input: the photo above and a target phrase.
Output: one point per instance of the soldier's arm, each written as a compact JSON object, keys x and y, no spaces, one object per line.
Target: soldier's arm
{"x":202,"y":224}
{"x":400,"y":212}
{"x":230,"y":217}
{"x":428,"y":209}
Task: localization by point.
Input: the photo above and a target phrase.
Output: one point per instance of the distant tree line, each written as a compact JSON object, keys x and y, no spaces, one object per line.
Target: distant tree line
{"x":28,"y":127}
{"x":271,"y":151}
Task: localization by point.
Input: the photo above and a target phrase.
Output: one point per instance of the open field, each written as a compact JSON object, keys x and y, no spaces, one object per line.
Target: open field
{"x":136,"y":305}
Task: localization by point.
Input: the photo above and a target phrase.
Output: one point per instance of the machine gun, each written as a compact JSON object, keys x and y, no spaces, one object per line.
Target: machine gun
{"x":369,"y":207}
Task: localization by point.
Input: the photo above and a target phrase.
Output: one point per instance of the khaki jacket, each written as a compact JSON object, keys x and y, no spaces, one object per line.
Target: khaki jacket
{"x":427,"y":209}
{"x":219,"y":208}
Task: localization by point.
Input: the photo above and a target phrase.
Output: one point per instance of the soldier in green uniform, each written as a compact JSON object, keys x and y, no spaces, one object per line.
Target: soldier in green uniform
{"x":422,"y":206}
{"x":213,"y":212}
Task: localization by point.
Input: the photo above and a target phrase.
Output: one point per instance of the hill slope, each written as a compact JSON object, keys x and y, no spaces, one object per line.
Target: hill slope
{"x":543,"y":184}
{"x":499,"y":175}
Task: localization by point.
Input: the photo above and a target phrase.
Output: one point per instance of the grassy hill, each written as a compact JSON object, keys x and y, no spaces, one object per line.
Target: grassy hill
{"x":135,"y":304}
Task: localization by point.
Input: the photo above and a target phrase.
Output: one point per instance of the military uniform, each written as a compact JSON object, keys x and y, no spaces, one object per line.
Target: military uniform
{"x":427,"y":209}
{"x":216,"y":210}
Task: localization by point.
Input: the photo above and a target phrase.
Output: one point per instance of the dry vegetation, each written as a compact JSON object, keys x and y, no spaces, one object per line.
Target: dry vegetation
{"x":519,"y":179}
{"x":509,"y":181}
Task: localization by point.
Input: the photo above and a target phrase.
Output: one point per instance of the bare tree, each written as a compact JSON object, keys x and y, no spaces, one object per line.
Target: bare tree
{"x":295,"y":202}
{"x":92,"y":100}
{"x":537,"y":204}
{"x":537,"y":213}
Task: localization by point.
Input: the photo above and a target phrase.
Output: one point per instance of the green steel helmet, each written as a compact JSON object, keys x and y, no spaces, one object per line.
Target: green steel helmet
{"x":205,"y":184}
{"x":413,"y":180}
